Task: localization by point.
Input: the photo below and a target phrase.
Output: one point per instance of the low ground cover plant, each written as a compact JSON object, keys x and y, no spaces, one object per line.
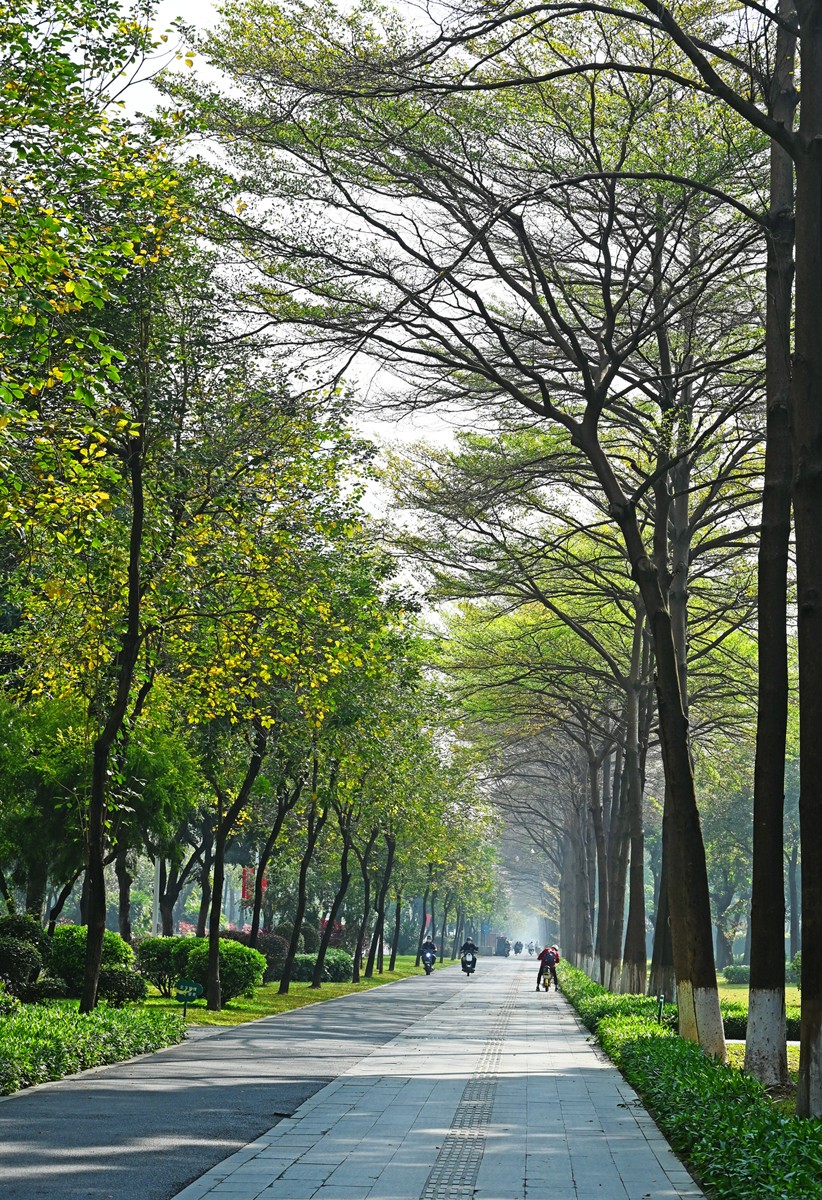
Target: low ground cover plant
{"x":40,"y":1042}
{"x":731,"y":1134}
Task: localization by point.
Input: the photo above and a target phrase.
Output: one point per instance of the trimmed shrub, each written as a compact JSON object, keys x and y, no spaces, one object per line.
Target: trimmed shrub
{"x":274,"y":949}
{"x":25,"y":928}
{"x":737,"y":974}
{"x":68,"y":954}
{"x":732,"y":1135}
{"x":241,"y":968}
{"x":302,"y":969}
{"x":45,"y":988}
{"x":338,"y":965}
{"x":719,"y":1119}
{"x":311,"y":938}
{"x":8,"y":1002}
{"x":119,"y":985}
{"x":284,"y":930}
{"x":162,"y":961}
{"x":19,"y":963}
{"x":796,"y":969}
{"x":336,"y":968}
{"x":48,"y":1041}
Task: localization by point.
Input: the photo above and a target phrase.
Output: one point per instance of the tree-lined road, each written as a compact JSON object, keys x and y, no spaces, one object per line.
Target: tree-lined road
{"x":408,"y":1091}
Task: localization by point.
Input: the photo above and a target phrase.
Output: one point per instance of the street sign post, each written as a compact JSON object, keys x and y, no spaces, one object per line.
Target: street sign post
{"x":187,"y":990}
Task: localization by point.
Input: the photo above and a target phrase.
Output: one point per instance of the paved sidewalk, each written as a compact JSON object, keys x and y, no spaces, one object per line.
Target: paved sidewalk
{"x":496,"y":1094}
{"x":140,"y":1130}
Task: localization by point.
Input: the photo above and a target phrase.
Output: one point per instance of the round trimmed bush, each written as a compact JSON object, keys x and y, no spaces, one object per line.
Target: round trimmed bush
{"x":796,"y":967}
{"x":740,"y":973}
{"x":119,"y":985}
{"x":284,"y":930}
{"x":311,"y":938}
{"x":338,"y":965}
{"x":45,"y":988}
{"x":162,"y":961}
{"x":274,"y":949}
{"x":19,"y":963}
{"x":25,"y":928}
{"x":68,"y":954}
{"x":241,"y":968}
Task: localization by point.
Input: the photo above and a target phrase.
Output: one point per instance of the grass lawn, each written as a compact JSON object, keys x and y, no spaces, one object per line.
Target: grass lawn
{"x":739,"y":991}
{"x":266,"y":1002}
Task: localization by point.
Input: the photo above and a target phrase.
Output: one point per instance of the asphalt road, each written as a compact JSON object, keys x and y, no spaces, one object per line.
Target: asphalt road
{"x":142,"y":1130}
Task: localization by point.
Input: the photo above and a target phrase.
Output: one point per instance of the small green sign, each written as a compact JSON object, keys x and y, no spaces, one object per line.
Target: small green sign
{"x":188,"y":990}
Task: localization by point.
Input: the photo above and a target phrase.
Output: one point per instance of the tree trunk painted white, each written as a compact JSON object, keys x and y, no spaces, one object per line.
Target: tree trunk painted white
{"x":700,"y":1019}
{"x":766,"y":1055}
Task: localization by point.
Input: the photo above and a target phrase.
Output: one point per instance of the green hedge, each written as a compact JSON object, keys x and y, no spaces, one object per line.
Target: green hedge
{"x":68,"y":954}
{"x":26,"y":929}
{"x":594,"y":1002}
{"x":20,"y":962}
{"x":241,"y":968}
{"x":739,"y":973}
{"x":337,"y":967}
{"x":162,"y":961}
{"x":41,"y":1042}
{"x":719,"y":1120}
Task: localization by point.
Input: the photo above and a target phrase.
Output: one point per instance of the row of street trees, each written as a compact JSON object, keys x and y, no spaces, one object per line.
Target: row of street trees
{"x":573,"y":225}
{"x":202,"y":642}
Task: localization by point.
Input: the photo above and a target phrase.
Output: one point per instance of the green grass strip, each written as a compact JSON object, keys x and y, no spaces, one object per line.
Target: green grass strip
{"x":732,"y":1136}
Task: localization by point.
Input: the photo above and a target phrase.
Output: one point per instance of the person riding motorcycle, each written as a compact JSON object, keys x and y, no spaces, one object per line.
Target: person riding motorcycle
{"x":469,"y":947}
{"x":548,"y":959}
{"x":428,"y":954}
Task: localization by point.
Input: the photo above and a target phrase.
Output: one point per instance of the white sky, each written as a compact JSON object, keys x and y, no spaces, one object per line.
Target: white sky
{"x":201,"y":14}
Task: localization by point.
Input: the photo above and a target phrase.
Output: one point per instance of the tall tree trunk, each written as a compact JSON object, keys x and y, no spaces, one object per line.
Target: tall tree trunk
{"x":170,"y":888}
{"x":391,"y":846}
{"x":423,"y":921}
{"x":793,"y":896}
{"x":36,"y":885}
{"x":59,"y":903}
{"x":205,"y":879}
{"x":663,"y":975}
{"x":700,"y":1019}
{"x":445,"y":906}
{"x":634,"y":959}
{"x":395,"y":941}
{"x":457,"y":942}
{"x":334,"y":911}
{"x":806,"y":410}
{"x":765,"y":1047}
{"x":124,"y":882}
{"x":619,"y":844}
{"x":225,"y":823}
{"x":316,"y":822}
{"x":364,"y":860}
{"x":286,"y":801}
{"x":595,"y":800}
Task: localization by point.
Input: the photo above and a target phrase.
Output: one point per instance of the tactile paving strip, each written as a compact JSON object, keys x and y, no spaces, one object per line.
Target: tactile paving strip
{"x":454,"y":1173}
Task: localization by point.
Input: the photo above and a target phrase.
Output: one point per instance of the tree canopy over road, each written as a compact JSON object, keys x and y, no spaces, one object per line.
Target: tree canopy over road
{"x":571,"y":672}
